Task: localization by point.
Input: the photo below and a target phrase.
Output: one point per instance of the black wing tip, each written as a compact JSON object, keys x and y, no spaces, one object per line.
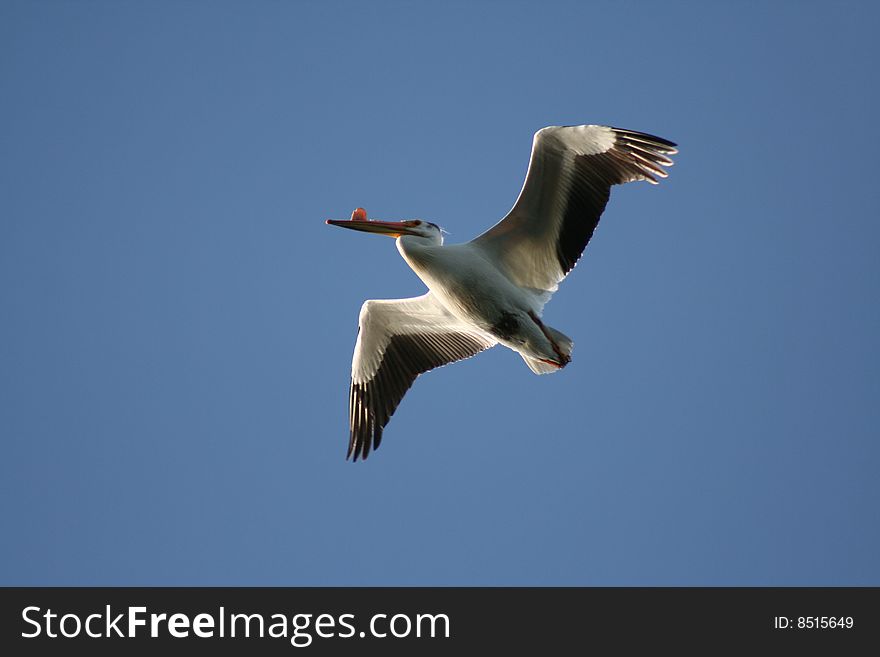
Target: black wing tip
{"x":359,"y":447}
{"x":642,"y":154}
{"x":646,"y":136}
{"x":360,"y":450}
{"x":366,"y":428}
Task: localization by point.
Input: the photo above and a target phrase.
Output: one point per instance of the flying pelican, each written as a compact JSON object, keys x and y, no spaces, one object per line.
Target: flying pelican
{"x":492,"y":290}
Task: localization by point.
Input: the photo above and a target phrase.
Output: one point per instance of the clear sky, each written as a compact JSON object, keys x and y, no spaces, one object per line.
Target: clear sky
{"x":177,"y":321}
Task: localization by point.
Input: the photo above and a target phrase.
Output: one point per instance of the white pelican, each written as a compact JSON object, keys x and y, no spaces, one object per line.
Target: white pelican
{"x":493,"y":289}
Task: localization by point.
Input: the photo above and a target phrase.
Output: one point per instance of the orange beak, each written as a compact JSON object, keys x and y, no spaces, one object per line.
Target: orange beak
{"x":389,"y":228}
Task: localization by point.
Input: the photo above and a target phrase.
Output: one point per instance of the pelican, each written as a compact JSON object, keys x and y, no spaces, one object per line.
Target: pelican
{"x":493,"y":289}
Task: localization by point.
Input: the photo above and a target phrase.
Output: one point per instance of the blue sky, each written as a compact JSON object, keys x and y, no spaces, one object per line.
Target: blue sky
{"x":178,"y":321}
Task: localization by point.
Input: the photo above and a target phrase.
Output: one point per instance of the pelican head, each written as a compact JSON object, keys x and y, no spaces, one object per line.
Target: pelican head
{"x":413,"y":227}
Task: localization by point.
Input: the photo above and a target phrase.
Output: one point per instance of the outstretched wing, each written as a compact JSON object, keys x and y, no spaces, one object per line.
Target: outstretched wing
{"x":568,"y":183}
{"x":399,"y":339}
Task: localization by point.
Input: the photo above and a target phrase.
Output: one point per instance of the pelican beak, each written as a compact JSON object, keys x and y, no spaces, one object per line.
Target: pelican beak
{"x":390,"y":228}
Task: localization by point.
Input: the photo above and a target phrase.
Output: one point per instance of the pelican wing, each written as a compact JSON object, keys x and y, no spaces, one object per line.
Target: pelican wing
{"x":568,"y":183}
{"x":399,"y":339}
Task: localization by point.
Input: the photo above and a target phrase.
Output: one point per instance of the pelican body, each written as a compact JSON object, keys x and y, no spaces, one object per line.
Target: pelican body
{"x":493,"y":289}
{"x":471,"y":287}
